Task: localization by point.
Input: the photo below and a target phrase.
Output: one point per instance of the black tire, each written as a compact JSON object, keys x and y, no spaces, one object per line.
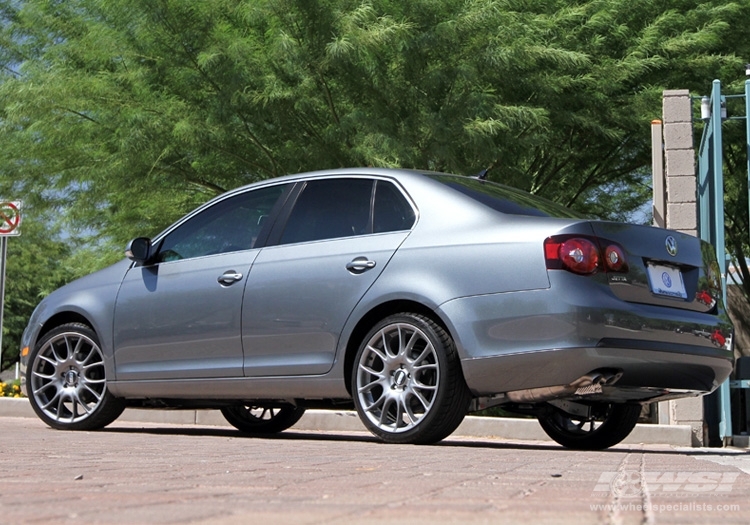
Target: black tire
{"x":407,"y":382}
{"x":262,"y":419}
{"x":67,"y":383}
{"x":617,"y":421}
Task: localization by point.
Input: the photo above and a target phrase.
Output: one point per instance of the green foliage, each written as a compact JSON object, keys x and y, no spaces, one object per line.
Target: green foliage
{"x":119,"y":116}
{"x":37,"y":263}
{"x":735,"y":138}
{"x":737,"y":230}
{"x":177,"y":101}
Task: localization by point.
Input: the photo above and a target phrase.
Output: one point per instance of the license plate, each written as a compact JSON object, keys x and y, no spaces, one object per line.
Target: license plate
{"x":666,"y":280}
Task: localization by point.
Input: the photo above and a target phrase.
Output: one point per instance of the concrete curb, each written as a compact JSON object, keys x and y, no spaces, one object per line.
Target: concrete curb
{"x":347,"y":421}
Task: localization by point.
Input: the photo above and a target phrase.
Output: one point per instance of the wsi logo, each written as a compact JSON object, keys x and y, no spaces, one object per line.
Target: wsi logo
{"x":632,"y":483}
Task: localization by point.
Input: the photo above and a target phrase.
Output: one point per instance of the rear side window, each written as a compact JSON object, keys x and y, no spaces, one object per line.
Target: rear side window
{"x":336,"y":208}
{"x":392,"y":211}
{"x":504,"y":198}
{"x":330,"y":209}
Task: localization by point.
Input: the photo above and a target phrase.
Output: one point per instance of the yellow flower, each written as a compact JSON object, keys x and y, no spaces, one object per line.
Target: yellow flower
{"x":17,"y":395}
{"x":16,"y":388}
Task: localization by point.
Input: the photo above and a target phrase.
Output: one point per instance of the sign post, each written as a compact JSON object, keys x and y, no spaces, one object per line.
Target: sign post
{"x":10,"y":221}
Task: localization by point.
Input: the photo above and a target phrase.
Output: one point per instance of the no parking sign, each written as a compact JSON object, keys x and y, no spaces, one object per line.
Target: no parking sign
{"x":10,"y":218}
{"x":10,"y":222}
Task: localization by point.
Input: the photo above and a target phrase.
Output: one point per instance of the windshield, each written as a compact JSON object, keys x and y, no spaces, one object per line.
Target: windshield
{"x":504,"y":198}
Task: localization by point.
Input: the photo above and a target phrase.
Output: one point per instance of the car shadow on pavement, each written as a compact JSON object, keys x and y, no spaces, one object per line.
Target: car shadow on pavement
{"x":229,"y":432}
{"x":458,"y":441}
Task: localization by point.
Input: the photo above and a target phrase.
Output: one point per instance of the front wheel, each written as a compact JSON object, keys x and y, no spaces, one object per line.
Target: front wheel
{"x":262,"y":419}
{"x":407,"y":382}
{"x":67,"y":383}
{"x":611,"y":424}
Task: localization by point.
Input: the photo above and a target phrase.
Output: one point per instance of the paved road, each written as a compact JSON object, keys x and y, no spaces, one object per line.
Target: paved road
{"x":159,"y":473}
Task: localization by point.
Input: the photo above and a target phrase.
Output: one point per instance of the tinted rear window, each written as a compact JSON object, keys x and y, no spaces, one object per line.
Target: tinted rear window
{"x":504,"y":198}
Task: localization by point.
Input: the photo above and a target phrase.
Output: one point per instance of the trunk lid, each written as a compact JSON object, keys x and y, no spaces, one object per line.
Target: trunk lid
{"x":665,"y":267}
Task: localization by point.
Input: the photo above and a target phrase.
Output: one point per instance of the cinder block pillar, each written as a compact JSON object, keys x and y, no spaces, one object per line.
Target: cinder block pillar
{"x":679,"y":153}
{"x":681,"y":215}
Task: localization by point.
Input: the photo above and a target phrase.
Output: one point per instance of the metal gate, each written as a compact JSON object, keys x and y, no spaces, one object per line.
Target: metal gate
{"x":717,"y":408}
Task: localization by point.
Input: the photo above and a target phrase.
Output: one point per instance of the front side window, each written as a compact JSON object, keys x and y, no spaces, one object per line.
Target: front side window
{"x":230,"y":225}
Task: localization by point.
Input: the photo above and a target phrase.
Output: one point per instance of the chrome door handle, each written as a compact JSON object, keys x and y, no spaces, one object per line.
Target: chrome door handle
{"x":360,"y":264}
{"x":229,"y":277}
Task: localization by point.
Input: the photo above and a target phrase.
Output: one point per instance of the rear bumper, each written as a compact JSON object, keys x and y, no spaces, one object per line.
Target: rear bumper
{"x":523,"y":340}
{"x":645,"y":373}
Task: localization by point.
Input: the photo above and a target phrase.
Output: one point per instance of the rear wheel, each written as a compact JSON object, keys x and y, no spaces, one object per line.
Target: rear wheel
{"x":262,"y":419}
{"x":407,"y":382}
{"x":611,"y":424}
{"x":67,"y":383}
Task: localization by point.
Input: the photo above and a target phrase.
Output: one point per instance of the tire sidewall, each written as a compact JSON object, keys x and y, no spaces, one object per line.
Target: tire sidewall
{"x":619,"y":422}
{"x":288,"y":415}
{"x":108,"y":408}
{"x":412,"y":435}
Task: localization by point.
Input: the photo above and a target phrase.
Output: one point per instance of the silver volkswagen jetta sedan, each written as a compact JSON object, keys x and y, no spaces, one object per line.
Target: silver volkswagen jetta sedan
{"x":417,"y":296}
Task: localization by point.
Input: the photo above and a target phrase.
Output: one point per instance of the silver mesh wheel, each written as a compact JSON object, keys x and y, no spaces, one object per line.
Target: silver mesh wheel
{"x":397,"y":377}
{"x":67,"y":377}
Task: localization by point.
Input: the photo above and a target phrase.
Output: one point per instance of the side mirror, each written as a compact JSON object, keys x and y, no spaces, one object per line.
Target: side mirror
{"x":139,"y":249}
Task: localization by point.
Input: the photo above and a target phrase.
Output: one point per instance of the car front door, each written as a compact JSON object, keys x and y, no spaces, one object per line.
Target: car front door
{"x":337,"y":240}
{"x":179,"y":317}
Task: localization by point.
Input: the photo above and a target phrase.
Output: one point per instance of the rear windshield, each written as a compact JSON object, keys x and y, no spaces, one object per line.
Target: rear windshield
{"x":504,"y":198}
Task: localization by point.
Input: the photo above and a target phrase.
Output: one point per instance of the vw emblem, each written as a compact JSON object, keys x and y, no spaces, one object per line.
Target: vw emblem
{"x":671,"y":244}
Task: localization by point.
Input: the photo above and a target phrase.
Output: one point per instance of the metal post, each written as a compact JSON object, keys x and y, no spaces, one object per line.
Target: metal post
{"x":3,"y":258}
{"x":747,"y":137}
{"x":717,"y":407}
{"x":717,"y":237}
{"x":705,"y":152}
{"x":717,"y":222}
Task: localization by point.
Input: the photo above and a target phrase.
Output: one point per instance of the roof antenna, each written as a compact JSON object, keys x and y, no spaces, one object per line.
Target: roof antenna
{"x":482,"y":175}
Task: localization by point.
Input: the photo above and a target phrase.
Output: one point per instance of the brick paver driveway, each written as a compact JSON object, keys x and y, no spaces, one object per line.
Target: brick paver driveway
{"x":139,"y":473}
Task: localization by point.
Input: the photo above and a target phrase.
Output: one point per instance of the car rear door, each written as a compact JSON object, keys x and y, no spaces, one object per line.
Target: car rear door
{"x":337,"y":239}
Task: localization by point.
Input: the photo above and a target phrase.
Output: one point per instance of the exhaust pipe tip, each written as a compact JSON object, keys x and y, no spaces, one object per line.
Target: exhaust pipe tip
{"x":587,"y":384}
{"x":614,"y":378}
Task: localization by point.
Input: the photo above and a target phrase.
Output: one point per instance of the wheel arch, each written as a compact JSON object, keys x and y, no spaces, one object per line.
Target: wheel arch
{"x":60,"y":319}
{"x":372,"y":317}
{"x":39,"y":327}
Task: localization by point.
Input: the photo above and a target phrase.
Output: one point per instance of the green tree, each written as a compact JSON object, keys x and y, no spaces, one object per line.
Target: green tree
{"x":178,"y":101}
{"x":36,"y":264}
{"x":736,"y":212}
{"x":119,"y":116}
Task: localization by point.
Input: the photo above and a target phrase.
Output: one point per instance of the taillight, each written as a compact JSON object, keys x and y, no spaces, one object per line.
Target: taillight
{"x":579,"y":255}
{"x":614,"y":258}
{"x":583,"y":256}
